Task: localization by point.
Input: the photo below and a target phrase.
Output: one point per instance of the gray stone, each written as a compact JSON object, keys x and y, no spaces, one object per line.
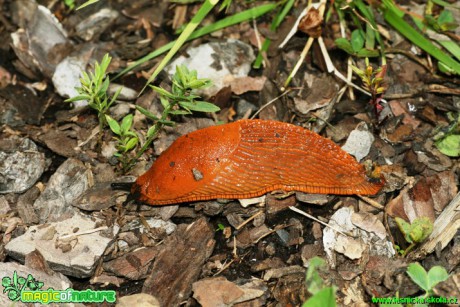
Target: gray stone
{"x":56,"y":281}
{"x":21,"y":168}
{"x":72,"y":246}
{"x":65,"y":186}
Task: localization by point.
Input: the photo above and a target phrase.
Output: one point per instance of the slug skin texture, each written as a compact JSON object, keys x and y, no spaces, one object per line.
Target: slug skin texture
{"x":249,"y":158}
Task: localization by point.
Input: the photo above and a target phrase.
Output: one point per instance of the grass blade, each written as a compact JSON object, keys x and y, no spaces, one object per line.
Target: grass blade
{"x":393,"y":16}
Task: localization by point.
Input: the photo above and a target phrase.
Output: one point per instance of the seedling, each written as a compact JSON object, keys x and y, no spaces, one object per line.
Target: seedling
{"x":442,"y":23}
{"x":94,"y":90}
{"x":322,"y":295}
{"x":356,"y":45}
{"x":448,"y":138}
{"x":415,"y":232}
{"x":181,"y":100}
{"x":126,"y":138}
{"x":373,"y":82}
{"x":427,"y":281}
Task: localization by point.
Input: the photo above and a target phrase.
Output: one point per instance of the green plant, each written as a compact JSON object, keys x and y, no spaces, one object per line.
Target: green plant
{"x":444,"y":22}
{"x":373,"y":82}
{"x":447,"y":139}
{"x":94,"y":90}
{"x":181,"y":100}
{"x":323,"y":295}
{"x":363,"y":39}
{"x":394,"y":16}
{"x":356,"y":45}
{"x":427,"y":280}
{"x":415,"y":232}
{"x":126,"y":138}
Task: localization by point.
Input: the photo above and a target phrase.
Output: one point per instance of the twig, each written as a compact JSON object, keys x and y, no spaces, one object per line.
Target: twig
{"x":271,"y":101}
{"x":371,"y":202}
{"x":83,"y":233}
{"x":315,"y":219}
{"x":226,"y":265}
{"x":249,"y":219}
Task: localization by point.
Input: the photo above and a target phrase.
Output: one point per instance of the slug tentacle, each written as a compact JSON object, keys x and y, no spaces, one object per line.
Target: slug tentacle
{"x":249,"y":158}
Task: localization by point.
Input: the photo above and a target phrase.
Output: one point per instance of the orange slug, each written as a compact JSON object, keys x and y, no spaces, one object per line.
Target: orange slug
{"x":249,"y":158}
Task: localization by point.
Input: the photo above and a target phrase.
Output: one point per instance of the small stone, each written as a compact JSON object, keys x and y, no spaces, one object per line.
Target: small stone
{"x":359,"y":142}
{"x":65,"y":186}
{"x":21,"y":167}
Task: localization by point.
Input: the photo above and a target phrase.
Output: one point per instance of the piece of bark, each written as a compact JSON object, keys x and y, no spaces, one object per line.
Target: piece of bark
{"x":179,"y":264}
{"x":36,"y":261}
{"x":133,"y":265}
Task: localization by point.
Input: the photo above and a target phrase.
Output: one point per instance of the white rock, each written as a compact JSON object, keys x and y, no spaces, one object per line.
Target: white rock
{"x":359,"y":142}
{"x":216,"y":61}
{"x":72,"y":246}
{"x":371,"y":237}
{"x":19,"y":170}
{"x":67,"y":76}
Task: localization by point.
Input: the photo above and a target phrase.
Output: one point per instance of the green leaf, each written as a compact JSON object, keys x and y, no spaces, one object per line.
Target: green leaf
{"x":181,"y":75}
{"x":405,"y":228}
{"x":147,"y":113}
{"x":450,"y":145}
{"x":166,"y":122}
{"x":151,"y":132}
{"x":357,"y":40}
{"x":163,"y":92}
{"x":370,"y":37}
{"x":131,"y":144}
{"x":447,"y":21}
{"x":113,"y":124}
{"x":115,"y":96}
{"x":418,"y":275}
{"x":104,"y":87}
{"x":126,"y":124}
{"x":165,"y":102}
{"x":199,"y":106}
{"x":322,"y":298}
{"x":365,"y":53}
{"x":345,"y":45}
{"x":199,"y":84}
{"x":78,"y":98}
{"x":436,"y":275}
{"x":421,"y":228}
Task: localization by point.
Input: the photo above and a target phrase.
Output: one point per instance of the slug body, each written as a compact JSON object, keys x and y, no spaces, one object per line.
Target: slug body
{"x":249,"y":158}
